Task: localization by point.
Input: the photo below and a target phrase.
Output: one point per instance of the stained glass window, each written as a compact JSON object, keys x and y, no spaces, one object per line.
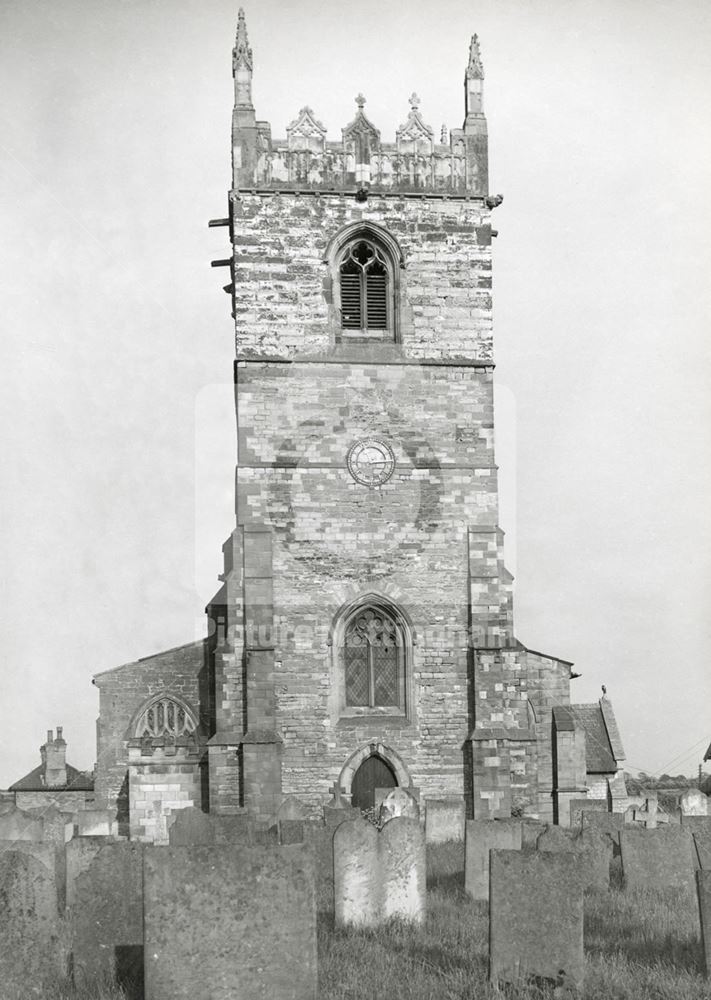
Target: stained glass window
{"x":373,"y":660}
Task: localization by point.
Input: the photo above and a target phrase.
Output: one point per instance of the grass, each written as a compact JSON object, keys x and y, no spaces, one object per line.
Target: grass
{"x":639,"y":946}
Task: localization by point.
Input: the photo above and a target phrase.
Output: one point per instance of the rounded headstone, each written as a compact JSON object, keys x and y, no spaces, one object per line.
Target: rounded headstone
{"x":694,"y":803}
{"x":399,"y":802}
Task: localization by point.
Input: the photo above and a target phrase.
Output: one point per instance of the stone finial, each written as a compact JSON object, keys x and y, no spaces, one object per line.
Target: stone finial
{"x":444,"y":135}
{"x":475,"y":69}
{"x":242,"y":52}
{"x":360,"y":101}
{"x":414,"y":101}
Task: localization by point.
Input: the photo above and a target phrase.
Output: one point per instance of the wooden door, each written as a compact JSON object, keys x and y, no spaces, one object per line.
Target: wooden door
{"x":373,"y":773}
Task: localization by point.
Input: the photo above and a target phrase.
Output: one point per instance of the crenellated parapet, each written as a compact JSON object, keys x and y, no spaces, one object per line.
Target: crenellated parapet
{"x":360,"y":161}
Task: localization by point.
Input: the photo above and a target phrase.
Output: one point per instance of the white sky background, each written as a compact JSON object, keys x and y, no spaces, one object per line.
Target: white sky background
{"x":117,"y":344}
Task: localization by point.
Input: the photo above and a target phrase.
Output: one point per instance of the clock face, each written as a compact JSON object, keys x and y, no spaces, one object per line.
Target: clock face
{"x":371,"y":462}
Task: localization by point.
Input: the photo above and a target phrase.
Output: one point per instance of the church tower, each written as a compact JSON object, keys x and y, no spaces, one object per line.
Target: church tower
{"x":365,"y":572}
{"x":363,"y":636}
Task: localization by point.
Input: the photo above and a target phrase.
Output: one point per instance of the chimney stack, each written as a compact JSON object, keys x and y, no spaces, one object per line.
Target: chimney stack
{"x":54,"y":760}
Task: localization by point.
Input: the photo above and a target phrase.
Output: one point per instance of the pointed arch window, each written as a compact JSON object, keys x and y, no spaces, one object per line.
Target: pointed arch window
{"x":374,"y":660}
{"x":165,"y":716}
{"x":365,"y":288}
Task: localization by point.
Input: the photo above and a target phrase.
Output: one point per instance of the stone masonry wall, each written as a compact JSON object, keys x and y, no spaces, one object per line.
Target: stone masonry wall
{"x":284,"y":302}
{"x":123,"y":692}
{"x":157,"y":788}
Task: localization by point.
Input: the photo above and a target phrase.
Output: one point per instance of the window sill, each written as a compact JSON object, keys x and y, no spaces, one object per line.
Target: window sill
{"x":400,"y":721}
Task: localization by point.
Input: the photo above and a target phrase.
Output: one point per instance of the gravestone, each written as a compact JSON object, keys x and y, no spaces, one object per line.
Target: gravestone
{"x":535,"y":918}
{"x":703,"y":890}
{"x":657,"y":859}
{"x":702,"y":845}
{"x":291,"y":815}
{"x":444,"y":819}
{"x":30,"y":952}
{"x":379,"y":874}
{"x":106,"y":918}
{"x":609,"y":823}
{"x":483,"y":835}
{"x":192,"y":827}
{"x":356,"y":879}
{"x":402,"y":867}
{"x":577,"y":806}
{"x":531,"y":829}
{"x":79,"y":853}
{"x":333,"y":816}
{"x":19,"y":825}
{"x":227,"y":921}
{"x":399,"y":802}
{"x":694,"y":803}
{"x":557,"y":838}
{"x":94,"y":823}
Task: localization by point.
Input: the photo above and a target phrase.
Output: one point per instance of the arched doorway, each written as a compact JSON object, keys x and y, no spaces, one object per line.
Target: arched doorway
{"x":373,"y":773}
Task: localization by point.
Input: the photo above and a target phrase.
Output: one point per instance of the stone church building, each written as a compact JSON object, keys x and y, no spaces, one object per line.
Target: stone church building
{"x":363,"y":634}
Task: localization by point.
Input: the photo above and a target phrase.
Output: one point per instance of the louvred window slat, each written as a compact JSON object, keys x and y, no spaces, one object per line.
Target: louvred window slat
{"x":364,"y":288}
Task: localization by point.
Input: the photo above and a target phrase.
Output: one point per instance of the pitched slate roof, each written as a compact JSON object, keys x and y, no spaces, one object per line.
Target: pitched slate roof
{"x":707,"y":755}
{"x":603,"y":746}
{"x":77,"y":781}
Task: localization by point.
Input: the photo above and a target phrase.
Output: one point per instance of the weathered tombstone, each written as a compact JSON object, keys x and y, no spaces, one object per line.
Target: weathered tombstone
{"x":531,"y":829}
{"x":694,"y":803}
{"x":258,"y":905}
{"x":94,"y":823}
{"x":536,"y":918}
{"x":609,"y":823}
{"x":696,"y":824}
{"x":293,"y":809}
{"x":106,"y":918}
{"x":355,"y":874}
{"x":483,"y":835}
{"x":657,"y":859}
{"x":30,"y":953}
{"x":291,"y":816}
{"x":595,"y":851}
{"x":399,"y":802}
{"x":592,"y":849}
{"x":19,"y":825}
{"x":402,"y":869}
{"x":192,"y":827}
{"x":291,"y":831}
{"x":333,"y":816}
{"x":233,"y":828}
{"x":557,"y":838}
{"x":79,"y":853}
{"x":703,"y":889}
{"x":444,"y":819}
{"x":702,"y":844}
{"x":577,"y":806}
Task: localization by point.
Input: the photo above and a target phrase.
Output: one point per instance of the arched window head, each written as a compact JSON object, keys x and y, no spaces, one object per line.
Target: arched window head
{"x":374,"y":660}
{"x":165,"y":716}
{"x":365,"y":288}
{"x":365,"y":262}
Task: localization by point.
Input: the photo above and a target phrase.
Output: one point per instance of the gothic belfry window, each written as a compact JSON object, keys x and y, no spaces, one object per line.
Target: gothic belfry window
{"x":366,"y":288}
{"x":373,"y":660}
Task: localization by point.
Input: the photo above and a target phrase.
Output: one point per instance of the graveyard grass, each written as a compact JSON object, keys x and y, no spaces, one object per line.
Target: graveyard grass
{"x":639,"y":946}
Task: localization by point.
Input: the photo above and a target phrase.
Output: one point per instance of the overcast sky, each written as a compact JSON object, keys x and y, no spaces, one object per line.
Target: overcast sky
{"x":117,"y":344}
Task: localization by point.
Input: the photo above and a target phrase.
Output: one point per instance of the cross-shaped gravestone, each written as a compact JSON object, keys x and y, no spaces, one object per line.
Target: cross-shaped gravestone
{"x":338,"y":792}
